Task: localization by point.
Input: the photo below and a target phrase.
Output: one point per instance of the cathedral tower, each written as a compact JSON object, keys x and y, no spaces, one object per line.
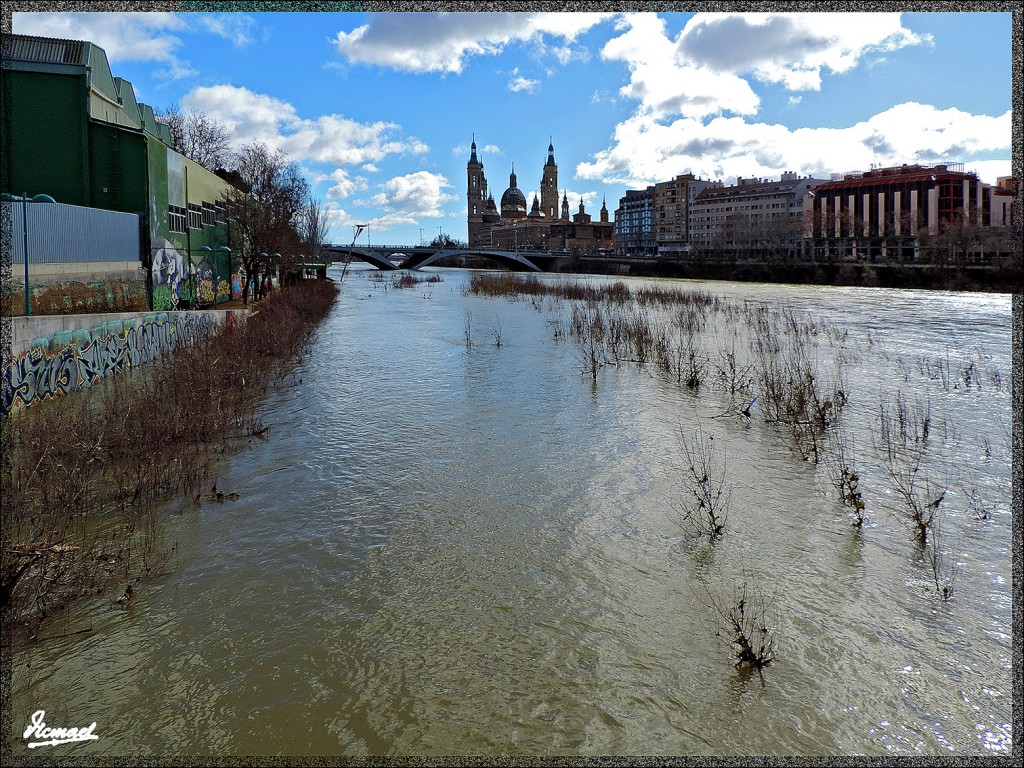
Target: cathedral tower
{"x":549,"y":185}
{"x":476,"y":186}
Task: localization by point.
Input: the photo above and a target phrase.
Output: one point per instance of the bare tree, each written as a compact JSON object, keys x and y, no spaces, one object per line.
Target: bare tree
{"x":314,"y":223}
{"x":266,"y":220}
{"x":197,"y":136}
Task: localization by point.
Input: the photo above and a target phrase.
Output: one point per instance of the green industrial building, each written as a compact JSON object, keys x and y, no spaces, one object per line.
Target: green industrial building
{"x":73,"y":131}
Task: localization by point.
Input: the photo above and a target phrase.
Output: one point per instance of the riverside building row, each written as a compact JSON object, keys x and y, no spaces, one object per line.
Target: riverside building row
{"x":884,"y":213}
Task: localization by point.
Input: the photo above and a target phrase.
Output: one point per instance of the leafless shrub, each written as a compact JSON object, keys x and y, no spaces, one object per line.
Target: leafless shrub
{"x":921,"y":496}
{"x":467,"y":326}
{"x":734,"y":377}
{"x":744,"y":624}
{"x":942,"y":564}
{"x":704,"y":506}
{"x":408,"y":280}
{"x":496,"y":331}
{"x":901,"y":441}
{"x":976,"y":505}
{"x":81,"y":492}
{"x":842,"y":470}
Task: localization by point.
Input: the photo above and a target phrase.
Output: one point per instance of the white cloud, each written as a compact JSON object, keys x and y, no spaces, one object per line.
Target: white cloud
{"x":518,"y":83}
{"x":145,"y":36}
{"x":250,"y":116}
{"x":460,"y":150}
{"x":442,"y":42}
{"x":344,"y":185}
{"x":370,"y":168}
{"x":665,"y":86}
{"x":415,"y":194}
{"x":990,"y":170}
{"x":791,"y":48}
{"x":645,"y":150}
{"x":238,"y":28}
{"x":122,"y":36}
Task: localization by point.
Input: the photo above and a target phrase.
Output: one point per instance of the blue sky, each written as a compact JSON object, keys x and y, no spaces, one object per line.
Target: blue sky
{"x":379,"y":109}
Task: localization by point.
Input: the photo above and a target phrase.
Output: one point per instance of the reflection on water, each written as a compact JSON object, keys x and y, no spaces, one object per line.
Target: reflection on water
{"x":452,"y":549}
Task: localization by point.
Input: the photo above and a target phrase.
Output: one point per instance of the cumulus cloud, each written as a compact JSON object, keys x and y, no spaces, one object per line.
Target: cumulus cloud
{"x":518,"y":83}
{"x":460,"y":150}
{"x":122,"y":36}
{"x":344,"y":185}
{"x":791,"y":48}
{"x":413,"y":195}
{"x":148,"y":36}
{"x":237,"y":28}
{"x":250,"y":116}
{"x":442,"y":42}
{"x":645,"y":150}
{"x":666,"y":86}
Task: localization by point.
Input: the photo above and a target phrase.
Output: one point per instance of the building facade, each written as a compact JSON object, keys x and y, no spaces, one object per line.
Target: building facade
{"x":750,"y":215}
{"x":886,"y":213}
{"x":635,"y":235}
{"x":671,"y":214}
{"x":78,"y":134}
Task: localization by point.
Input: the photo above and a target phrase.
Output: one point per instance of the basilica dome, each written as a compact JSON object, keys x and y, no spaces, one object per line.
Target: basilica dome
{"x":513,"y":201}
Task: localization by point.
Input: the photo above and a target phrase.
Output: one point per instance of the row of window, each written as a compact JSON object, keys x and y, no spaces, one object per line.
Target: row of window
{"x":196,"y":216}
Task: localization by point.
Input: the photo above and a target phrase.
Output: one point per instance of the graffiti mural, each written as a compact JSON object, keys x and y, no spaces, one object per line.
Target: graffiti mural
{"x":171,"y":276}
{"x":42,"y":373}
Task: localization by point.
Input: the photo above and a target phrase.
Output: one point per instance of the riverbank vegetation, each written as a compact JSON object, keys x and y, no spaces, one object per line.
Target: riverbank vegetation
{"x":771,"y":364}
{"x":84,"y":475}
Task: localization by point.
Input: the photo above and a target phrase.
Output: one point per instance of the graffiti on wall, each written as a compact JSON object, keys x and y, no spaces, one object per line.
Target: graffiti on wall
{"x":40,"y":373}
{"x":176,"y":280}
{"x":171,"y":285}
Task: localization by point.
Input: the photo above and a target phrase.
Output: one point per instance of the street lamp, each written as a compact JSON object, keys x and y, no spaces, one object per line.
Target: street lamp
{"x":25,"y":200}
{"x":209,"y":252}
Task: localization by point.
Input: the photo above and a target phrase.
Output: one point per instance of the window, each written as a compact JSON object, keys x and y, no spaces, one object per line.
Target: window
{"x":209,"y":214}
{"x":195,"y":216}
{"x":176,"y":219}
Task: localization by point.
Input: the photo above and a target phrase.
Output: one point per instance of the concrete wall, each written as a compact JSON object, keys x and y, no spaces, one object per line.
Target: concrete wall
{"x":53,"y":355}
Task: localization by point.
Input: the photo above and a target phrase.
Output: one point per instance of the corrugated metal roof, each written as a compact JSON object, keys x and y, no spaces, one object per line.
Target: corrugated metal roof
{"x":45,"y":50}
{"x":888,"y":181}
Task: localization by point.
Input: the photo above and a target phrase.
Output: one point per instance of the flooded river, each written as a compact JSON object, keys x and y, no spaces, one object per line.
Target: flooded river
{"x":450,"y":545}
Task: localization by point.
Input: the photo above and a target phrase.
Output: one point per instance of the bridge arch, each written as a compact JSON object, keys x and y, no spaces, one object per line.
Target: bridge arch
{"x":417,"y":257}
{"x":508,"y":259}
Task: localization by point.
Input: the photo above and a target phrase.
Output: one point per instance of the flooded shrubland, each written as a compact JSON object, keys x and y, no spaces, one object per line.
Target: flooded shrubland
{"x":555,"y":514}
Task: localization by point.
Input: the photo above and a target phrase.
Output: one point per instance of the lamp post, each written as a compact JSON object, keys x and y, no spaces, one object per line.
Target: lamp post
{"x":25,"y":200}
{"x":226,"y":250}
{"x":209,"y":253}
{"x":264,"y":259}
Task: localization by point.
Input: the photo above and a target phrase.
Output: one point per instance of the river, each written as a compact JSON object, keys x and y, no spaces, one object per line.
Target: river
{"x":452,"y":546}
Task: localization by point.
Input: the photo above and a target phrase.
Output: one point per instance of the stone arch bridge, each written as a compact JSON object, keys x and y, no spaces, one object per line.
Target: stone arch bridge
{"x":413,"y":257}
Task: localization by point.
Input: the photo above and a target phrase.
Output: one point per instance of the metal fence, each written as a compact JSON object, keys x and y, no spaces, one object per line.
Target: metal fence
{"x":69,"y":234}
